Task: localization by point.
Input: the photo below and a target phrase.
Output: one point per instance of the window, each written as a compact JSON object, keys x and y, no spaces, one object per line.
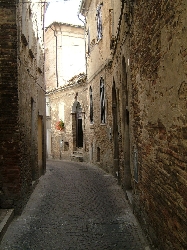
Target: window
{"x":88,"y":41}
{"x":66,"y":146}
{"x":99,"y":23}
{"x":102,"y":100}
{"x":91,"y":105}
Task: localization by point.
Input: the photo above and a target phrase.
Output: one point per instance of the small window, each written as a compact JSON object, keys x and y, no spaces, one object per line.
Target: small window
{"x":91,"y":106}
{"x":102,"y":100}
{"x":99,"y":23}
{"x":66,"y":146}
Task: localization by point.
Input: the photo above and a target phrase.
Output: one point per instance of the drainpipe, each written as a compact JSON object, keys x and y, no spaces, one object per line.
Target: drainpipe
{"x":43,"y":24}
{"x":57,"y":82}
{"x":84,"y":40}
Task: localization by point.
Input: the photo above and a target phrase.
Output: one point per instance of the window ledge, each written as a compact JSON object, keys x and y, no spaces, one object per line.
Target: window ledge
{"x":98,"y":41}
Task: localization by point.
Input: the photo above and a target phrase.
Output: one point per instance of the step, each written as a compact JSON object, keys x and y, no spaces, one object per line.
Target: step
{"x":77,"y":158}
{"x":129,"y":197}
{"x":6,"y":216}
{"x":77,"y":153}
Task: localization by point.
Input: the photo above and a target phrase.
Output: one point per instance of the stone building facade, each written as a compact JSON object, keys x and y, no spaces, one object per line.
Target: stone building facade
{"x":68,"y":104}
{"x":136,"y":70}
{"x":66,"y":96}
{"x":64,"y":53}
{"x":22,"y":96}
{"x":99,"y":58}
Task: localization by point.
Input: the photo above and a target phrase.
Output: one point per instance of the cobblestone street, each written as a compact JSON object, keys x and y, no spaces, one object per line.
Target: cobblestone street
{"x":75,"y":206}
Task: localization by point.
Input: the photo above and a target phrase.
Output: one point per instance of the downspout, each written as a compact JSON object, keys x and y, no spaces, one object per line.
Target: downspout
{"x":57,"y":82}
{"x":84,"y":41}
{"x":43,"y":16}
{"x":112,"y":3}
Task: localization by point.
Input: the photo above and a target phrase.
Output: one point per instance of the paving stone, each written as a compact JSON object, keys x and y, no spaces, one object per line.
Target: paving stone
{"x":74,"y":206}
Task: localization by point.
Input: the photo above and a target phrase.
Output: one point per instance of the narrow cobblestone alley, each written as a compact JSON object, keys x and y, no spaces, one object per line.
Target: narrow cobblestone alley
{"x":75,"y":206}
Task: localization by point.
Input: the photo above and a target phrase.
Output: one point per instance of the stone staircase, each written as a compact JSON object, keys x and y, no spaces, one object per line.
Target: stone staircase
{"x":77,"y":156}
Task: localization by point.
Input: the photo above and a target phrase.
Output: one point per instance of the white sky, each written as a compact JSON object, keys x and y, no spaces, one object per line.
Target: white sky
{"x":63,"y":11}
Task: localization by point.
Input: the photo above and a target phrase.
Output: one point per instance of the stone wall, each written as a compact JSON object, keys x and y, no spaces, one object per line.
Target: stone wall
{"x":99,"y":69}
{"x":66,"y":89}
{"x":104,"y":61}
{"x":63,"y":102}
{"x":22,"y":102}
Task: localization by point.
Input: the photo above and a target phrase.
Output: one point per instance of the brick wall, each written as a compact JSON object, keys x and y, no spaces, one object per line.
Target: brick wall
{"x":22,"y":95}
{"x":142,"y":57}
{"x":9,"y":140}
{"x":158,"y":78}
{"x":31,"y":94}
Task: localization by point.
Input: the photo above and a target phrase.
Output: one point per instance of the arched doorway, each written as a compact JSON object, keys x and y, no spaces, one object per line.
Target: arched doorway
{"x":125,"y":128}
{"x":77,"y":125}
{"x":79,"y":131}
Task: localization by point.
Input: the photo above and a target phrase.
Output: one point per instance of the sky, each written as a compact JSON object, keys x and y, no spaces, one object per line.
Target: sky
{"x":63,"y":11}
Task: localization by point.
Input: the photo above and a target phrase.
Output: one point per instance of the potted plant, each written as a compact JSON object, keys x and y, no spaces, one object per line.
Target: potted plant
{"x":60,"y":125}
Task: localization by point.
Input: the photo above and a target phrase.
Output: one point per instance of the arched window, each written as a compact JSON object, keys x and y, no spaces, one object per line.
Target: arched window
{"x":99,"y":23}
{"x":102,"y":100}
{"x":91,"y":105}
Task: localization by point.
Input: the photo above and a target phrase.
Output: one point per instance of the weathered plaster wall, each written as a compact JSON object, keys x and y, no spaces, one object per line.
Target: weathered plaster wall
{"x":100,"y":135}
{"x":120,"y":71}
{"x":65,"y":53}
{"x":99,"y":66}
{"x":50,"y":56}
{"x":106,"y":59}
{"x":31,"y":93}
{"x":99,"y":50}
{"x":66,"y":86}
{"x":62,"y":101}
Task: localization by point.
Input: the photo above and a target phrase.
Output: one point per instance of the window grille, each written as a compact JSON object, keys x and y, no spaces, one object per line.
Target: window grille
{"x":99,"y":23}
{"x":91,"y":105}
{"x":102,"y":100}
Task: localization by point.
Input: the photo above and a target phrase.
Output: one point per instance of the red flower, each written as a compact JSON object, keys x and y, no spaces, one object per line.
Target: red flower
{"x":60,"y":125}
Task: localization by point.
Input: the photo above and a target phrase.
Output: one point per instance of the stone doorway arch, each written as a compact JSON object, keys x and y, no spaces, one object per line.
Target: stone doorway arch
{"x":77,"y":122}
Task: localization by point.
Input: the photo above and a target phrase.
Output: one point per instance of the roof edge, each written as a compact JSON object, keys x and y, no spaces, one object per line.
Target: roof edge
{"x":66,"y":24}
